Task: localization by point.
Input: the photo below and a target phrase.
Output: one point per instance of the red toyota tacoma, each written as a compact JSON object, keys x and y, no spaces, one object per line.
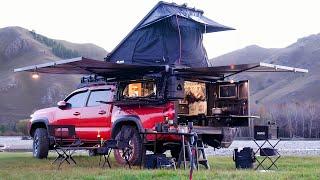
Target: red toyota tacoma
{"x":106,"y":108}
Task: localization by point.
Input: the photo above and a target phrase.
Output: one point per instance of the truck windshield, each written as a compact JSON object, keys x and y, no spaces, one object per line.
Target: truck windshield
{"x":140,"y":89}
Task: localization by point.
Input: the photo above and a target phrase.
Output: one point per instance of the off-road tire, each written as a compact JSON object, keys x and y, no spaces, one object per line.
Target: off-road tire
{"x":135,"y":142}
{"x":40,"y":143}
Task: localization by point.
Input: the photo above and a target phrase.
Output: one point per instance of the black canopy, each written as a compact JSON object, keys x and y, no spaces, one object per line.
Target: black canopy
{"x":168,"y":35}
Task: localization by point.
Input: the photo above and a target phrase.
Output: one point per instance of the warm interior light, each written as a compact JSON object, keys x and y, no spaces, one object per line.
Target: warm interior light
{"x":35,"y":76}
{"x":231,"y":81}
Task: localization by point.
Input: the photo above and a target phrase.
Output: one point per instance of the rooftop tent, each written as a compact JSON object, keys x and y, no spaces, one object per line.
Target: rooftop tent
{"x":168,"y":35}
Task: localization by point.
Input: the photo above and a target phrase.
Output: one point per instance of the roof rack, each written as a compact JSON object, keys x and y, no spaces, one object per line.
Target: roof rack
{"x":92,"y":80}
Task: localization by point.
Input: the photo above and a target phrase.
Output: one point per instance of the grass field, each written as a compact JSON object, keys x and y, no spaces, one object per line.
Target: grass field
{"x":23,"y":166}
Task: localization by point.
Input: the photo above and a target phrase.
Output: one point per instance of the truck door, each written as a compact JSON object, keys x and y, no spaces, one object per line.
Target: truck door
{"x":71,"y":114}
{"x":96,"y":116}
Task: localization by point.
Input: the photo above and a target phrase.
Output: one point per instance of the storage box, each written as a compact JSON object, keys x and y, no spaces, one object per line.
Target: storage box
{"x":261,"y":132}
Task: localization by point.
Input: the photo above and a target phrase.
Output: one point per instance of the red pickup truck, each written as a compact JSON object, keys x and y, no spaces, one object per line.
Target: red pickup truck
{"x":140,"y":98}
{"x":106,"y":108}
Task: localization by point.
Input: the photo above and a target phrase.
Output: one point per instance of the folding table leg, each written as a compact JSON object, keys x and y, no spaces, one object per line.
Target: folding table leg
{"x":143,"y":153}
{"x":273,"y":162}
{"x":61,"y":162}
{"x":105,"y":160}
{"x":56,"y":159}
{"x":71,"y":158}
{"x":125,"y":156}
{"x":260,"y":163}
{"x":108,"y":158}
{"x":59,"y":157}
{"x":100,"y":161}
{"x":71,"y":152}
{"x":184,"y":153}
{"x":66,"y":156}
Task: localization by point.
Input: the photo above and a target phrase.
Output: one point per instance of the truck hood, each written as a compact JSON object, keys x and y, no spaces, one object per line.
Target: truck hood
{"x":47,"y":112}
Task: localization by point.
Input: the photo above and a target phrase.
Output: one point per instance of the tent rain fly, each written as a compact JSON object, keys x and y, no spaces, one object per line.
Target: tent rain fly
{"x":168,"y":35}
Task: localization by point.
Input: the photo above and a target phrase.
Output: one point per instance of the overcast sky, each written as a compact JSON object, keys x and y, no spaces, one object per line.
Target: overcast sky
{"x":268,"y":23}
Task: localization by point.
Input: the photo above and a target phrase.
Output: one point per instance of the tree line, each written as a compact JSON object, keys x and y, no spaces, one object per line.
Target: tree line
{"x":295,"y":120}
{"x":57,"y":48}
{"x":14,"y":128}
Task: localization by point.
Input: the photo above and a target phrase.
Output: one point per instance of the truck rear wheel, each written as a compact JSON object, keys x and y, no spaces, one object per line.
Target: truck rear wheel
{"x":135,"y":143}
{"x":40,"y":143}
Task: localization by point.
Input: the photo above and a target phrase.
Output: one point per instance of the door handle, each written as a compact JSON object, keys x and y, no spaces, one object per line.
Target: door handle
{"x":76,"y":113}
{"x":102,"y":112}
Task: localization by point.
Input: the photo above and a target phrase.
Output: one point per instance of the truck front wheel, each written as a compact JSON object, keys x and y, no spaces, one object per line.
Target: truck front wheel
{"x":135,"y":143}
{"x":40,"y":143}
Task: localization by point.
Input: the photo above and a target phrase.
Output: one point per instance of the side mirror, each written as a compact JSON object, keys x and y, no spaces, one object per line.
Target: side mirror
{"x":62,"y":104}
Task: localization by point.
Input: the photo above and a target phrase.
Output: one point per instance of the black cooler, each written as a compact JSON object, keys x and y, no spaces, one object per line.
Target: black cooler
{"x":244,"y":159}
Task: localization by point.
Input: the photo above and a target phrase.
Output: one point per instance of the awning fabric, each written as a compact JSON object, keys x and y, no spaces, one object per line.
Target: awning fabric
{"x":168,"y":35}
{"x":82,"y":65}
{"x":219,"y":72}
{"x":86,"y":66}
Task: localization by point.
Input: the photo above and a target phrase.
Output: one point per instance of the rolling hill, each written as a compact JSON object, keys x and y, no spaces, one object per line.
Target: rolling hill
{"x":275,"y":88}
{"x":20,"y":95}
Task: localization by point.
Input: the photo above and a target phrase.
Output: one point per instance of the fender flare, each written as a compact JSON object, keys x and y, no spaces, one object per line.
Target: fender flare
{"x":125,"y":119}
{"x":43,"y":120}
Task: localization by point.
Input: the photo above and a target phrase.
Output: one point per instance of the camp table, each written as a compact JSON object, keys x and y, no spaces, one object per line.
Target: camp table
{"x":185,"y":141}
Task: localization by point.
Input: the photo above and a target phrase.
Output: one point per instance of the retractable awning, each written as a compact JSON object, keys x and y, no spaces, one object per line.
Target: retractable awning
{"x":82,"y":65}
{"x":218,"y":72}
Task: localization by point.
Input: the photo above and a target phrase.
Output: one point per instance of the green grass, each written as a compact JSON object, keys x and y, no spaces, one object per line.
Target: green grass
{"x":23,"y":166}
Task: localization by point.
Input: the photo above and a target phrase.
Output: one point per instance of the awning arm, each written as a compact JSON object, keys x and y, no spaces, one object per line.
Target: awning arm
{"x":49,"y":64}
{"x":244,"y":70}
{"x":283,"y":68}
{"x":266,"y":67}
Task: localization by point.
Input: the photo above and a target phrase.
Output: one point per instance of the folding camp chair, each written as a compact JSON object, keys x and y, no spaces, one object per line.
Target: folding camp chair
{"x":61,"y":134}
{"x":122,"y":143}
{"x":261,"y":133}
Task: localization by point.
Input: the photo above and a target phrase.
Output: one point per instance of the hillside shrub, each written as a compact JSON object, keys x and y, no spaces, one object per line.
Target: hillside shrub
{"x":21,"y":127}
{"x":57,"y":48}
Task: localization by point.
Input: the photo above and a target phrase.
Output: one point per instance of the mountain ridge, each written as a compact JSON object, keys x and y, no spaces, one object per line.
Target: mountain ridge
{"x":19,"y":48}
{"x":270,"y":88}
